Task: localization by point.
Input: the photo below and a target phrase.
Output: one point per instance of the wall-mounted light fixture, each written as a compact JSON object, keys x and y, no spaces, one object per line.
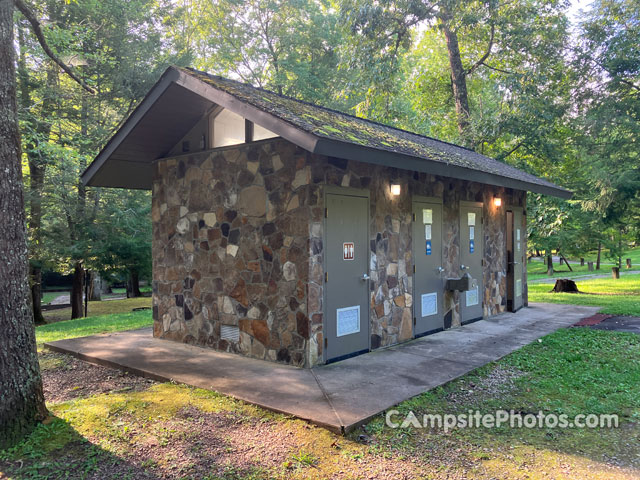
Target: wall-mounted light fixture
{"x":395,"y":189}
{"x":497,"y":201}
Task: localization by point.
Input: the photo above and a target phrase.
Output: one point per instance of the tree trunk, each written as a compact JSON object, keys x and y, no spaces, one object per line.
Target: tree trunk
{"x":565,"y":285}
{"x":36,"y":294}
{"x":458,"y":78}
{"x":133,"y":285}
{"x":599,"y":254}
{"x":549,"y":265}
{"x":22,"y":400}
{"x":95,"y":287}
{"x":76,"y":291}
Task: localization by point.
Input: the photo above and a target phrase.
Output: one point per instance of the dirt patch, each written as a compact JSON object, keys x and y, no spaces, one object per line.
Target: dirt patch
{"x":496,"y":384}
{"x":65,"y":377}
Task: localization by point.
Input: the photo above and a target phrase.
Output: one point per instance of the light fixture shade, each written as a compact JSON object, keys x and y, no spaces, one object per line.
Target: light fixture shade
{"x":497,"y":201}
{"x":395,"y":189}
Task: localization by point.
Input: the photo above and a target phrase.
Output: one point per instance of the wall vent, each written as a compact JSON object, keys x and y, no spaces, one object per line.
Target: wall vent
{"x":231,"y":333}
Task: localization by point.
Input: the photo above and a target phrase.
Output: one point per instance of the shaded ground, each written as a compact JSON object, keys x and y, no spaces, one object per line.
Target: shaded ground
{"x":620,"y":324}
{"x":120,"y":427}
{"x":66,"y":378}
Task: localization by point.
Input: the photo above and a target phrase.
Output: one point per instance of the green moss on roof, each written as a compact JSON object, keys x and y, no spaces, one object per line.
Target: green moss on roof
{"x":334,"y":125}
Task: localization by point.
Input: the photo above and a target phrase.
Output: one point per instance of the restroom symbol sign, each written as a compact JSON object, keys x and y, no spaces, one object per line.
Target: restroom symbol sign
{"x":348,"y":249}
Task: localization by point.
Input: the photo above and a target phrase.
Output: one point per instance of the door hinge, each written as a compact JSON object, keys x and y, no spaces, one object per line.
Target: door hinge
{"x":414,"y":321}
{"x":326,"y":213}
{"x":325,"y":342}
{"x":414,"y":269}
{"x":326,"y":277}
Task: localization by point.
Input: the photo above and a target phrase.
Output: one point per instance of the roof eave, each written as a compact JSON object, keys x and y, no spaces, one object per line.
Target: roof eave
{"x":170,"y":75}
{"x":366,"y":154}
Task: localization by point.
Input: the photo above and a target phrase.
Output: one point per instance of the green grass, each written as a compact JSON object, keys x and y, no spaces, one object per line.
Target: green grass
{"x":91,"y":325}
{"x":104,"y":307}
{"x":48,"y":297}
{"x":617,"y":297}
{"x":572,"y":371}
{"x":537,"y":269}
{"x":145,"y":289}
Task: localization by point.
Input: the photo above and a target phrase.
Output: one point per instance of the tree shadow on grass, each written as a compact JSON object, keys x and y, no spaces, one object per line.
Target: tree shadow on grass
{"x":55,"y":450}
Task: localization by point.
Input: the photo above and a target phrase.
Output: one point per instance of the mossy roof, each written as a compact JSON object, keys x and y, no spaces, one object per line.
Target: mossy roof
{"x":338,"y":126}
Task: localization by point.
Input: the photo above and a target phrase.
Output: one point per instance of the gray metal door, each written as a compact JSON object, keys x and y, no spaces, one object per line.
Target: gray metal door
{"x":428,"y":315}
{"x":471,"y":253}
{"x":347,"y":285}
{"x":515,"y":258}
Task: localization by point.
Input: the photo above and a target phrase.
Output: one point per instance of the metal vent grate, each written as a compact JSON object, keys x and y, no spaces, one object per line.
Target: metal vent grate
{"x":231,"y":333}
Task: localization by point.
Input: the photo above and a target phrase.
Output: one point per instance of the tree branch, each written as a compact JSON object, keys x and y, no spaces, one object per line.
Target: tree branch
{"x":486,"y":54}
{"x":35,"y":25}
{"x":498,"y":69}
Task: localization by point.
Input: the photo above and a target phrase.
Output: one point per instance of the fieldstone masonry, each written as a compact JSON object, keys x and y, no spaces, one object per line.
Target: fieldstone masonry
{"x":238,"y":241}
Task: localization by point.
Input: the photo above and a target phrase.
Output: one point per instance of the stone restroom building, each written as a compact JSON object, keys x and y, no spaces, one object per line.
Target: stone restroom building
{"x":293,"y":233}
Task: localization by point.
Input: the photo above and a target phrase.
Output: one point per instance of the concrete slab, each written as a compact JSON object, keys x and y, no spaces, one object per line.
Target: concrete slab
{"x":339,"y":396}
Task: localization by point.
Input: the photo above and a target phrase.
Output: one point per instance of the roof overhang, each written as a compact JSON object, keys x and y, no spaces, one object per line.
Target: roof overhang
{"x":178,"y":100}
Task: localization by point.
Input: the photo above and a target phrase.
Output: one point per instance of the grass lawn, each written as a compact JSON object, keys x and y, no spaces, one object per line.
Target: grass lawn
{"x":104,"y":307}
{"x":82,"y":327}
{"x":617,"y":297}
{"x":48,"y":297}
{"x":537,"y":269}
{"x":175,"y":431}
{"x":123,"y":291}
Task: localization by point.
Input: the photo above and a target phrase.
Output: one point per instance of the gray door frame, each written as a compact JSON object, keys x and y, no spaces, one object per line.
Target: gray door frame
{"x":366,"y":314}
{"x":436,"y":201}
{"x":480,"y":205}
{"x":512,"y":269}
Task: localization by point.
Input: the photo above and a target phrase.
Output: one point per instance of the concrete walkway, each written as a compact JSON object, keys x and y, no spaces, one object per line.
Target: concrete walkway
{"x":339,"y":396}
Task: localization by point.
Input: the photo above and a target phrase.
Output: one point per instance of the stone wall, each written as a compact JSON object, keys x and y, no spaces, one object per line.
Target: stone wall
{"x":231,"y":247}
{"x":238,"y":240}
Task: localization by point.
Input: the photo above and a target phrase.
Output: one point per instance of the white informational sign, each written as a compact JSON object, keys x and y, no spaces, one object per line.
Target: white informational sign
{"x":518,"y":288}
{"x":427,"y":232}
{"x":518,"y":246}
{"x":472,"y":233}
{"x":427,"y":215}
{"x":471,"y":219}
{"x":518,"y":234}
{"x":472,"y":297}
{"x":429,"y":303}
{"x":348,"y":320}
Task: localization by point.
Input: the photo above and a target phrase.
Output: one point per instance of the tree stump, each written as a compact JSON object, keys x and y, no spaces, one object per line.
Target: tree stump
{"x":590,"y":266}
{"x":615,"y":272}
{"x":628,"y":263}
{"x":565,"y":285}
{"x":582,"y":262}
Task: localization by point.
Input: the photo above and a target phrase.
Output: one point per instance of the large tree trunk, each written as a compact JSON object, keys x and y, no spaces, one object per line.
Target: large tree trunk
{"x":133,"y":285}
{"x":458,"y":78}
{"x":95,"y":287}
{"x":549,"y":264}
{"x":76,"y":290}
{"x":21,"y":398}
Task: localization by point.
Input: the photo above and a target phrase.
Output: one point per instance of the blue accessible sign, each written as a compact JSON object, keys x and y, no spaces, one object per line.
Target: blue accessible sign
{"x":471,"y":246}
{"x":428,"y":247}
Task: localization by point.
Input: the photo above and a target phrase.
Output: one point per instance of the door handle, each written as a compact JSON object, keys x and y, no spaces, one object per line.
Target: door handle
{"x":440,"y":270}
{"x":464,"y":267}
{"x":365,"y":277}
